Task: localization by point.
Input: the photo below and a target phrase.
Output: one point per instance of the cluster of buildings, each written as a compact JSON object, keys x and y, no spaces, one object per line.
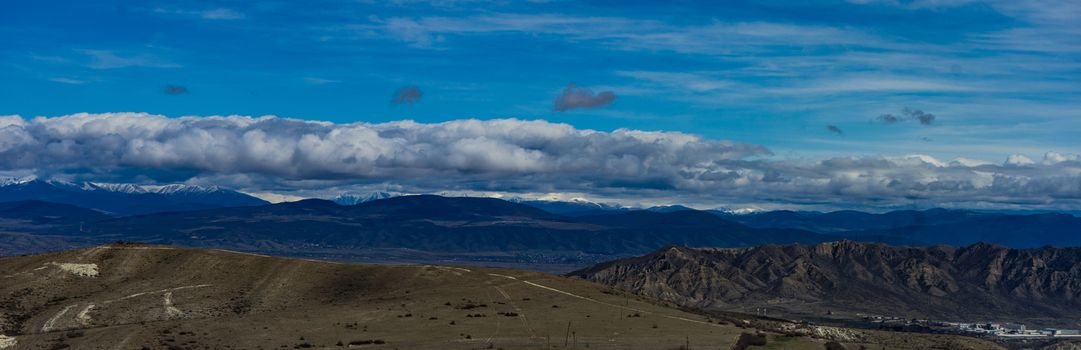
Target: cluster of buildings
{"x":1011,"y":330}
{"x":990,"y":329}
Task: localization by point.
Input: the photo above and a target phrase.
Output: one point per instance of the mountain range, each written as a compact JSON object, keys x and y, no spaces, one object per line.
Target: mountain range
{"x":550,"y":235}
{"x":844,"y":279}
{"x":933,"y":226}
{"x":460,"y":225}
{"x":124,"y":199}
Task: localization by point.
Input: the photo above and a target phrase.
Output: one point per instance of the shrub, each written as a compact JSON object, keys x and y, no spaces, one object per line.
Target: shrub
{"x":747,"y":339}
{"x":835,"y":346}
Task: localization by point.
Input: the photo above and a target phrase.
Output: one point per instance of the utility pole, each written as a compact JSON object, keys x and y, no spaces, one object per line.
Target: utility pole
{"x":567,"y":336}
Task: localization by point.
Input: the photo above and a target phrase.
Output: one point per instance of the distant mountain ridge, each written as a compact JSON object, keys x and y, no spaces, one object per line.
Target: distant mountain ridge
{"x":572,"y":207}
{"x":355,"y":198}
{"x":933,"y":226}
{"x":124,"y":199}
{"x":438,"y":224}
{"x":577,"y":232}
{"x":977,"y":282}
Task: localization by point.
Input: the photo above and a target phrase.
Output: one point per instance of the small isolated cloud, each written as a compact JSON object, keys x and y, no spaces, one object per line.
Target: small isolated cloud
{"x":1019,"y":160}
{"x":908,"y":114}
{"x":578,"y":97}
{"x":175,"y":90}
{"x":921,"y":116}
{"x":889,"y":118}
{"x":834,"y":129}
{"x":407,"y":95}
{"x":1052,"y":157}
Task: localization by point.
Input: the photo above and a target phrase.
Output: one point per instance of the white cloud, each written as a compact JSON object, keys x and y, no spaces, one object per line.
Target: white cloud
{"x":288,"y":156}
{"x":1055,"y":158}
{"x":69,"y":81}
{"x":1019,"y":160}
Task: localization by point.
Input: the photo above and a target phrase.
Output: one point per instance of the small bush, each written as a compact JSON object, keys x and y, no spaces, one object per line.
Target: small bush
{"x":835,"y":346}
{"x":747,"y":339}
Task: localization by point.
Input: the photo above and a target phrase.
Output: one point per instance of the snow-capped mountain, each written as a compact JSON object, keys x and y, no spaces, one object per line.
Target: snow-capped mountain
{"x":668,"y":208}
{"x":124,"y":199}
{"x":571,"y":207}
{"x":120,"y":188}
{"x":354,"y":198}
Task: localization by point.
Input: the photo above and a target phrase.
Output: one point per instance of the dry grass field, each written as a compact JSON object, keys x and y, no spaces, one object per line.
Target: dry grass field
{"x":157,"y":297}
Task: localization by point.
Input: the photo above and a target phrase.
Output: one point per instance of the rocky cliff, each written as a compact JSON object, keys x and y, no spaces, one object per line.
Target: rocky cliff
{"x":978,"y":282}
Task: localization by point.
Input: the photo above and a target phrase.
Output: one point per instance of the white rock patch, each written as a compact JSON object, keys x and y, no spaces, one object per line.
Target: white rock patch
{"x":51,"y":323}
{"x":7,"y":342}
{"x":84,"y":316}
{"x":170,"y":310}
{"x":84,"y":270}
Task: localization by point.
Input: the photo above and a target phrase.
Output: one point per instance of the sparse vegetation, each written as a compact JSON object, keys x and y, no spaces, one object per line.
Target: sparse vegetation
{"x":747,"y":340}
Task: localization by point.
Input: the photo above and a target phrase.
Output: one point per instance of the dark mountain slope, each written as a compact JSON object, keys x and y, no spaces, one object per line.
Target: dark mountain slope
{"x":851,"y":220}
{"x":978,"y":282}
{"x":934,"y":226}
{"x":1018,"y":231}
{"x":125,"y":199}
{"x":39,"y":212}
{"x":440,"y":224}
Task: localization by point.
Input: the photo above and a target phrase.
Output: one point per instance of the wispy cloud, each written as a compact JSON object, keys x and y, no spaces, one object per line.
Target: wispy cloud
{"x":217,"y":14}
{"x":70,"y":81}
{"x":320,"y":81}
{"x":105,"y":59}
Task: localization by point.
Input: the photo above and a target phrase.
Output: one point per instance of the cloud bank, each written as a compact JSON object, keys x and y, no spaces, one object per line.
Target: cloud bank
{"x":271,"y":154}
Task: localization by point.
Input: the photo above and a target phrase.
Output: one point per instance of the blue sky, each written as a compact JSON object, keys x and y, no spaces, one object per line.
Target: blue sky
{"x":1000,"y":78}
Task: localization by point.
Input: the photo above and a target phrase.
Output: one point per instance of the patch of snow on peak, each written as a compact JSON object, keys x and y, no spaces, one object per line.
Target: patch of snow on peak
{"x":354,"y":198}
{"x":10,"y":181}
{"x":739,"y":211}
{"x":180,"y":188}
{"x":969,"y":163}
{"x":112,"y":187}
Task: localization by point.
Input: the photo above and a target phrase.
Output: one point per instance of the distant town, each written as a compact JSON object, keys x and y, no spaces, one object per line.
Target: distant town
{"x":1006,"y":329}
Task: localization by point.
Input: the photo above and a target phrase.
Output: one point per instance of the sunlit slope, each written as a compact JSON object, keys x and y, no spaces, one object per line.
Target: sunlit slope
{"x":131,"y":297}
